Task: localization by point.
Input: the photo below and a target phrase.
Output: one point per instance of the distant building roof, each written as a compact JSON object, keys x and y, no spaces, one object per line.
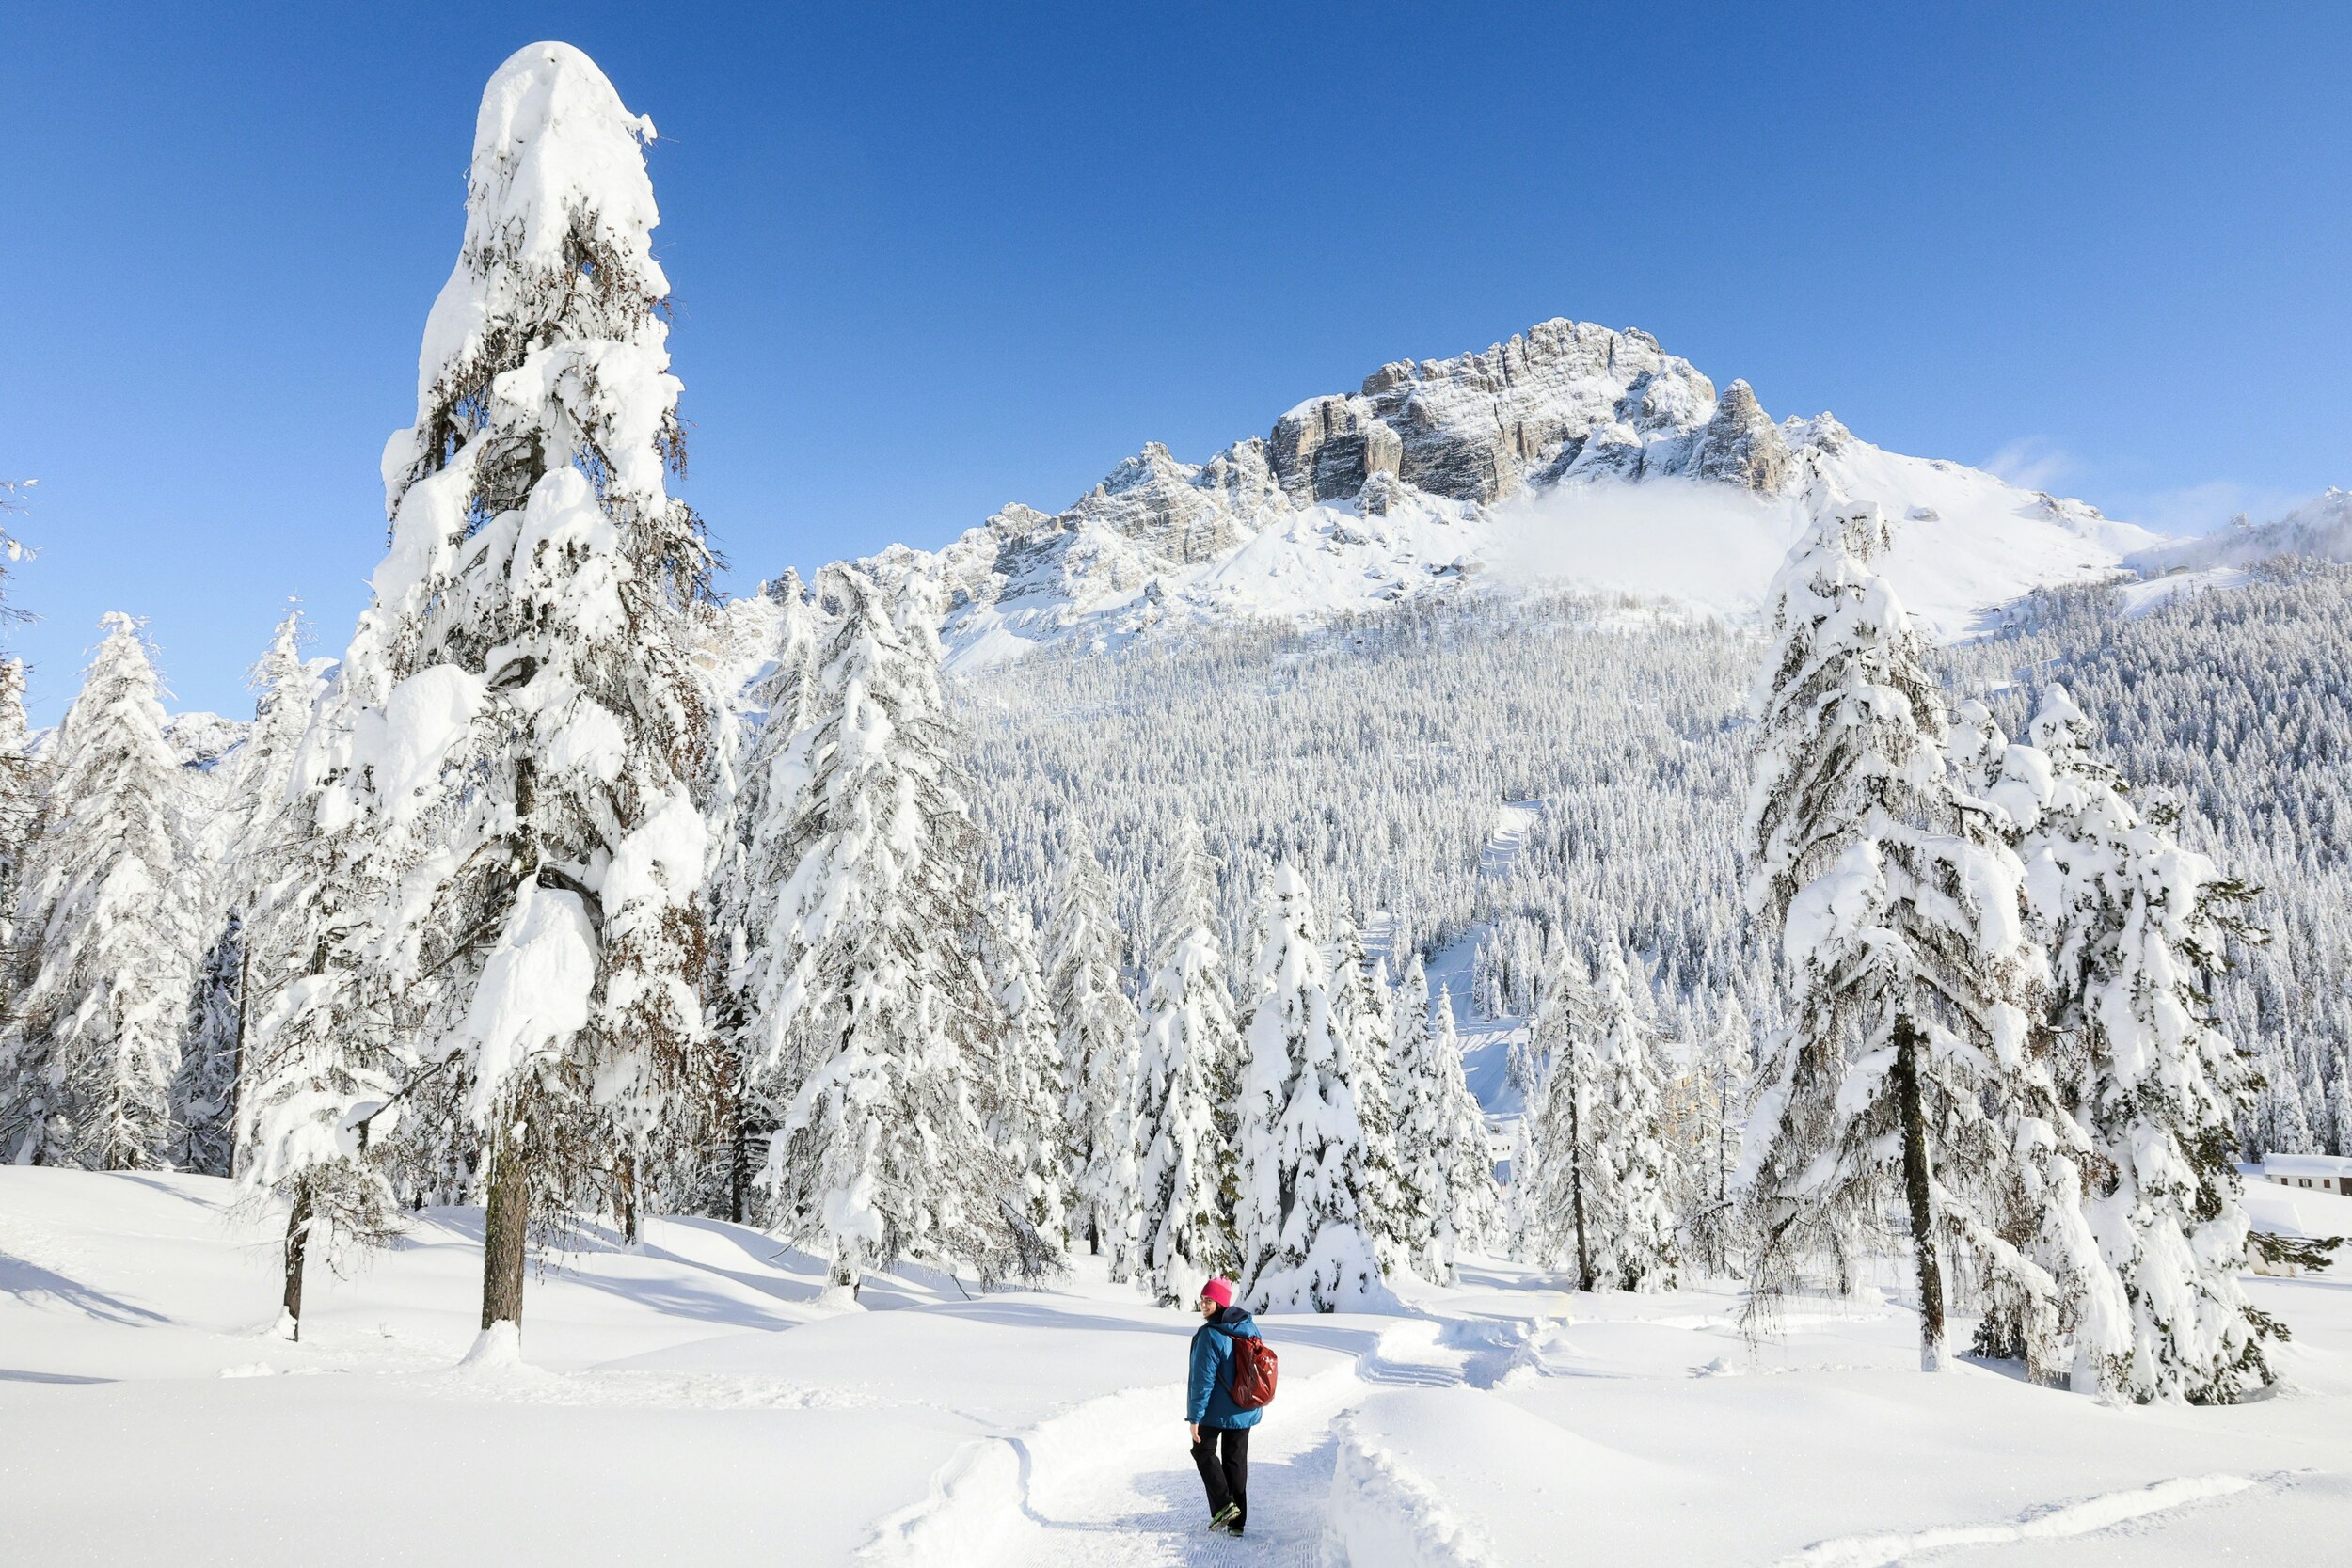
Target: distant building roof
{"x":2307,"y":1164}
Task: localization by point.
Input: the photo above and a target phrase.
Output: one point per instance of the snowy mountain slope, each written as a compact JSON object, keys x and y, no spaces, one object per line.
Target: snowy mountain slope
{"x":2320,"y":527}
{"x":1571,"y":454}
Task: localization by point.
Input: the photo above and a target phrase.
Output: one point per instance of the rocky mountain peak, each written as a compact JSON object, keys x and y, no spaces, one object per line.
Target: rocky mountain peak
{"x":1385,"y":491}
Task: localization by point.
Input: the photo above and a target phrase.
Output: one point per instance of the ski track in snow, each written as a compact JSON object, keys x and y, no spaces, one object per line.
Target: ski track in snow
{"x":1111,"y":1484}
{"x":2058,"y":1522}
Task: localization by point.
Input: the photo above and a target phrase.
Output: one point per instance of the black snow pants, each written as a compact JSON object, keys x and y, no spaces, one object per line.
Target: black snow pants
{"x":1228,"y":1480}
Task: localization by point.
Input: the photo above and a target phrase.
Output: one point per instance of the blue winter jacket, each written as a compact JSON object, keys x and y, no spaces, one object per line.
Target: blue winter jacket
{"x":1209,"y":1399}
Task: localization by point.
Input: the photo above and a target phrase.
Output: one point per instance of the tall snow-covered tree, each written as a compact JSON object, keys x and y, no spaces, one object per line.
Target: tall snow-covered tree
{"x":1421,"y":1125}
{"x":108,"y":932}
{"x":1628,"y":1206}
{"x":248,"y":835}
{"x":1441,"y":1133}
{"x":1364,"y":1008}
{"x":1024,"y":1111}
{"x":750,"y":867}
{"x":545,"y":726}
{"x":1559,"y":1194}
{"x":1899,"y":917}
{"x":323,"y":1052}
{"x":1188,"y":1041}
{"x":873,"y":1020}
{"x":2135,"y":923}
{"x":19,"y":797}
{"x":1304,"y":1236}
{"x":1098,"y":1030}
{"x":1725,"y":1067}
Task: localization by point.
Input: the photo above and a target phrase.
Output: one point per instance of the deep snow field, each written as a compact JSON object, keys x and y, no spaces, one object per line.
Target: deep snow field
{"x":684,"y":1401}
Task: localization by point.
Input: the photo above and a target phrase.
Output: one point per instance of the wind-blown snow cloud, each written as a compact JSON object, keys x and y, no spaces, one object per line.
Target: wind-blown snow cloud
{"x":2031,"y":463}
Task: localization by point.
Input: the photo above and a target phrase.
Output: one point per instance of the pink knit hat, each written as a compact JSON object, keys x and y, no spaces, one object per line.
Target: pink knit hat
{"x":1219,"y":1292}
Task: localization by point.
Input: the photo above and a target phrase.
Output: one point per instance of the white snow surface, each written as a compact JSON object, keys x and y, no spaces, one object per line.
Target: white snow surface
{"x":689,"y":1398}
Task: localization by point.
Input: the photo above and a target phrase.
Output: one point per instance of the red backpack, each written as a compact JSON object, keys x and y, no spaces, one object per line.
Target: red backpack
{"x":1254,"y":1371}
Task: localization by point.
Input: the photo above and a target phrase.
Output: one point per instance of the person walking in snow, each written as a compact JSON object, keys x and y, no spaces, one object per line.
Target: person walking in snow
{"x":1221,"y":1428}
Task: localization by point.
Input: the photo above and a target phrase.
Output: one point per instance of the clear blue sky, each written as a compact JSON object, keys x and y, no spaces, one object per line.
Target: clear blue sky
{"x":931,"y":259}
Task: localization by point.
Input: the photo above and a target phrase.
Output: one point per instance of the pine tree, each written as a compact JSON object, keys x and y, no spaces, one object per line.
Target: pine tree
{"x":204,"y":1088}
{"x":762,"y":777}
{"x":1899,"y":917}
{"x":20,"y":798}
{"x":2340,"y":1101}
{"x":1472,"y":1213}
{"x":1025,"y":1120}
{"x":1304,"y":1236}
{"x":1628,"y":1206}
{"x":1188,"y":1038}
{"x":1097,"y":1026}
{"x":1422,"y":1127}
{"x":1725,"y":1070}
{"x":1561,"y":1218}
{"x":1441,"y":1133}
{"x":544,"y":730}
{"x":2137,"y":923}
{"x":872,"y":1019}
{"x":252,"y":832}
{"x":1364,"y":1008}
{"x":324,"y":1051}
{"x":106,"y":928}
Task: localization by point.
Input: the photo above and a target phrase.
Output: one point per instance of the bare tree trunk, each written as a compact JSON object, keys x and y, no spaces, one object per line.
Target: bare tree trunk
{"x":625,"y":1174}
{"x":1916,"y":1190}
{"x":738,"y":1142}
{"x":505,"y":1234}
{"x":297,"y":1250}
{"x":738,"y":1167}
{"x":845,"y":1269}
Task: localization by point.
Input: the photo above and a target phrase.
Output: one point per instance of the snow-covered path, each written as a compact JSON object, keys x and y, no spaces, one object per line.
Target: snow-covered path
{"x":1115,"y":1516}
{"x":1111,"y":1485}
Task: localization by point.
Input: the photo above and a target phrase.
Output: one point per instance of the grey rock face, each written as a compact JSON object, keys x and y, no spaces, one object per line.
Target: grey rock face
{"x":1742,"y":445}
{"x":1563,"y":401}
{"x":1482,"y":426}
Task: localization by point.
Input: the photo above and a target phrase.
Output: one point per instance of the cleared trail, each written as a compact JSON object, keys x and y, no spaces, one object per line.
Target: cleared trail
{"x":1111,"y":1484}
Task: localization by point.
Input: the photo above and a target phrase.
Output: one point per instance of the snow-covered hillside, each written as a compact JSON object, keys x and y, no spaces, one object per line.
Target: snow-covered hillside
{"x":1572,"y":454}
{"x":687,"y":1400}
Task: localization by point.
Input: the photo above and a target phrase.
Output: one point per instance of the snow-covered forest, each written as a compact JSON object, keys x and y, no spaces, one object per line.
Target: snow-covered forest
{"x":569,"y":919}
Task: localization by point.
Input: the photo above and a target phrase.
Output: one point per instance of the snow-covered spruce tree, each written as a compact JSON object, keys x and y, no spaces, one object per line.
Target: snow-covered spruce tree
{"x":249,"y":836}
{"x":1726,"y":1066}
{"x":875,"y":1025}
{"x":545,"y":719}
{"x":1474,"y":1207}
{"x":2135,"y":923}
{"x":2340,"y":1101}
{"x":1899,"y":917}
{"x":204,"y":1089}
{"x":1421,"y":1125}
{"x":1364,"y":1008}
{"x":1301,"y":1228}
{"x":1441,"y":1133}
{"x":20,"y":801}
{"x":1630,"y":1211}
{"x":107,"y":933}
{"x":1098,"y":1031}
{"x":325,"y":1054}
{"x":1188,"y":1038}
{"x":1024,"y":1110}
{"x":1560,"y":1196}
{"x":755,"y":802}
